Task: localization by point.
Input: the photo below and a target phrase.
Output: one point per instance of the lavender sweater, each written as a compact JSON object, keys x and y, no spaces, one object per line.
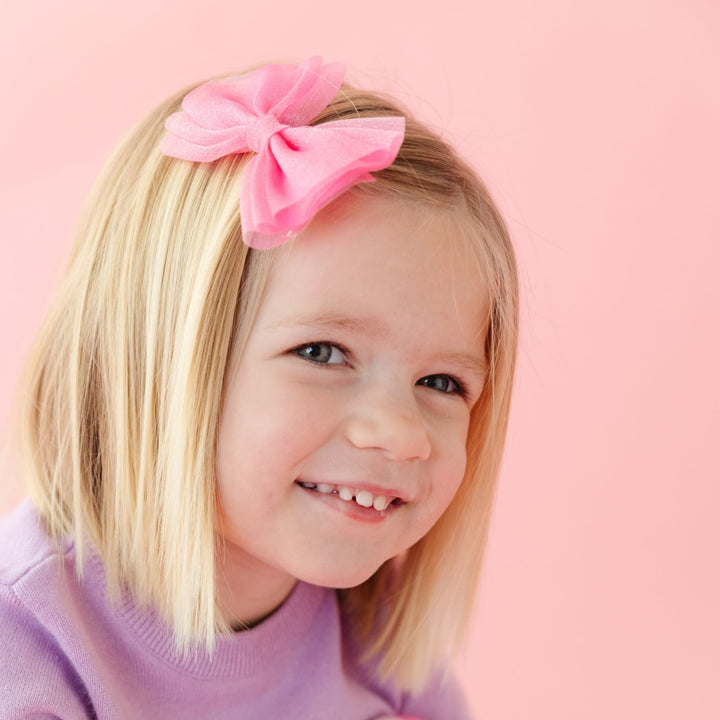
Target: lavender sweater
{"x":67,"y":652}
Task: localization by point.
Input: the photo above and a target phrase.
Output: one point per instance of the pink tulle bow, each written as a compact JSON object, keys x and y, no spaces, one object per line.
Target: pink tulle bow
{"x":298,"y":169}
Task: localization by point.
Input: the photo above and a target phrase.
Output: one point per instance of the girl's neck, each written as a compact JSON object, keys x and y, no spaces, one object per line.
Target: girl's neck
{"x":248,"y":591}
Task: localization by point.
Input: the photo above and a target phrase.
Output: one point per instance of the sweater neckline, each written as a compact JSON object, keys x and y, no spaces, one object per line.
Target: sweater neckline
{"x":244,"y":653}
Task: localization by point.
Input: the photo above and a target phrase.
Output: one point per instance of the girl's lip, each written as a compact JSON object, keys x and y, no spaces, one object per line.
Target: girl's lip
{"x":374,"y":490}
{"x":350,"y":508}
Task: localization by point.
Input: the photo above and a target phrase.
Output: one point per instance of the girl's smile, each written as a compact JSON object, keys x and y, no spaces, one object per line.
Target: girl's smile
{"x":343,"y":434}
{"x":359,"y":505}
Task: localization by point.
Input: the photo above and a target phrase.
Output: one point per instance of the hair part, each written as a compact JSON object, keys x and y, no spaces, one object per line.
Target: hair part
{"x":120,"y":402}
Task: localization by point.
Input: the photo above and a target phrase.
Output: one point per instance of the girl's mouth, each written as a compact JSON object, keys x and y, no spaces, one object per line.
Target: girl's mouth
{"x":363,"y":498}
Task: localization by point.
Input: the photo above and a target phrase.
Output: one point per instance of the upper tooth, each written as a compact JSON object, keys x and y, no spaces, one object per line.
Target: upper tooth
{"x":364,"y":498}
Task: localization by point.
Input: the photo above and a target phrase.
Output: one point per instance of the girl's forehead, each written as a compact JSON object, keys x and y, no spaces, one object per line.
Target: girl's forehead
{"x":383,"y":258}
{"x":385,"y":231}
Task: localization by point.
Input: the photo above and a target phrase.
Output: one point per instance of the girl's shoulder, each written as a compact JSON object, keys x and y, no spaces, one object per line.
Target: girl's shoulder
{"x":442,"y":698}
{"x":25,"y":547}
{"x":34,"y":668}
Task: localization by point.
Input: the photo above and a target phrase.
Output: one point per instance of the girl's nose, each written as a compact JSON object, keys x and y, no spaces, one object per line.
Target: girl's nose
{"x":392,"y":424}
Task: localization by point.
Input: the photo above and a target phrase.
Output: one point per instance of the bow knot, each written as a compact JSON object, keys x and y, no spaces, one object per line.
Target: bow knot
{"x":285,"y":183}
{"x":260,"y":130}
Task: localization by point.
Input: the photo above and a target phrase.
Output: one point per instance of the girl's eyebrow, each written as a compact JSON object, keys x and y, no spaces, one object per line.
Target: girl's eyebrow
{"x":470,"y":363}
{"x":375,"y":327}
{"x":335,"y":321}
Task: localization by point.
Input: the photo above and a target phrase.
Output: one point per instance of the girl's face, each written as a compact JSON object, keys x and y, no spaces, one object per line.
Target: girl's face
{"x":357,"y":381}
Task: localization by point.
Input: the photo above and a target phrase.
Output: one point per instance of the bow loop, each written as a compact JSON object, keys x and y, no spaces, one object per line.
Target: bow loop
{"x":298,"y":169}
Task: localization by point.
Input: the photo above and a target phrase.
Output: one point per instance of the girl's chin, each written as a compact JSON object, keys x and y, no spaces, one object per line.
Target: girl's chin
{"x":340,"y":578}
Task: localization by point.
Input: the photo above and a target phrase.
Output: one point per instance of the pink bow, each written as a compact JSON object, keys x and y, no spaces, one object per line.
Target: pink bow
{"x":298,"y":169}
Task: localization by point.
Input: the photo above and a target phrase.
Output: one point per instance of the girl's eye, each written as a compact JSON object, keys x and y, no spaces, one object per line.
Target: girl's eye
{"x":444,"y":384}
{"x":323,"y":353}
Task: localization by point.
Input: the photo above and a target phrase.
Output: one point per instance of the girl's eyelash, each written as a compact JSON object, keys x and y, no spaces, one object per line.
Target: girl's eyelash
{"x":460,"y":389}
{"x":319,"y":344}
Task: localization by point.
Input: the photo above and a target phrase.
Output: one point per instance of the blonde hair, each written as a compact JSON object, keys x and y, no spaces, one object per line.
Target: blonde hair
{"x":123,"y":389}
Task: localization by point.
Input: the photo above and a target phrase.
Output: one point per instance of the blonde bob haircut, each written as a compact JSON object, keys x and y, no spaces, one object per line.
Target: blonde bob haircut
{"x":119,"y":405}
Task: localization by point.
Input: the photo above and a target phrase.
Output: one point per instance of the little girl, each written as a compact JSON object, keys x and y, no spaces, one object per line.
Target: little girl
{"x":263,"y":420}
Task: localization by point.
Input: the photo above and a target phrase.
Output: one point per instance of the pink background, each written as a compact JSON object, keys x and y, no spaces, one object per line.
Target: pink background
{"x":596,"y":125}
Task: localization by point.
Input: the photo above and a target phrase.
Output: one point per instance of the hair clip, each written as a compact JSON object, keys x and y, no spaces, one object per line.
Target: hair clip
{"x":297,"y":169}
